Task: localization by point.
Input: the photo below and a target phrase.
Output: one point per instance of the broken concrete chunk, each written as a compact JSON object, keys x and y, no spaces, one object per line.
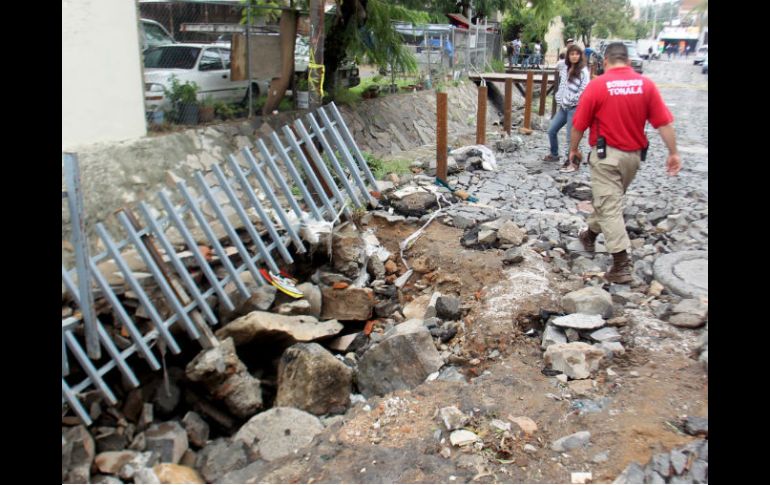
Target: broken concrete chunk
{"x":220,"y":457}
{"x":347,"y":304}
{"x":242,"y":394}
{"x":80,"y":454}
{"x":348,"y":250}
{"x":168,"y":439}
{"x":606,"y":334}
{"x":111,"y":462}
{"x":462,"y":437}
{"x":197,"y":429}
{"x":300,"y":328}
{"x":575,"y":440}
{"x":171,"y":473}
{"x":525,"y":424}
{"x":279,"y":431}
{"x":402,"y":360}
{"x":580,"y":321}
{"x":552,"y":335}
{"x":448,"y":308}
{"x":513,"y":256}
{"x":510,"y":233}
{"x":576,"y":359}
{"x":590,"y":300}
{"x":310,"y":378}
{"x":453,"y":418}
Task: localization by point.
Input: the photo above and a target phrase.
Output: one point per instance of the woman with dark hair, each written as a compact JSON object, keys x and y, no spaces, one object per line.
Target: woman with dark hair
{"x":573,"y":79}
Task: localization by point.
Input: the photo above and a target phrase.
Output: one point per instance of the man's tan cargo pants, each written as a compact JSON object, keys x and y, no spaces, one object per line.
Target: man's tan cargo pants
{"x":610,"y":177}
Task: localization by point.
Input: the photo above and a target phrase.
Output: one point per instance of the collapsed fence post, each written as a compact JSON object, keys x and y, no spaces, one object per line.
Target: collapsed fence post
{"x":528,"y":101}
{"x":80,"y":242}
{"x":441,"y":136}
{"x":507,"y":106}
{"x":543,"y":92}
{"x":481,"y":115}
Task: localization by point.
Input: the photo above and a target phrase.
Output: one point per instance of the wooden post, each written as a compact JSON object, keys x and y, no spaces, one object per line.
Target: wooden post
{"x":481,"y":117}
{"x":528,"y":101}
{"x":543,"y":92}
{"x":555,"y":89}
{"x":441,"y":136}
{"x":507,"y":108}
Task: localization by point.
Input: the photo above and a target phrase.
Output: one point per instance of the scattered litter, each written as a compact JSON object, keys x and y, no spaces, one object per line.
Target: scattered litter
{"x":488,"y":161}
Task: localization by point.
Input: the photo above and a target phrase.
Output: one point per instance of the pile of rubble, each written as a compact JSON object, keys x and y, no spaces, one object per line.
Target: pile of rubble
{"x":688,"y":464}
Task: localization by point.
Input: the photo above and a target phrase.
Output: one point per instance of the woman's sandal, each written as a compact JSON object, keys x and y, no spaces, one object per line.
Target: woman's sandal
{"x":550,"y":158}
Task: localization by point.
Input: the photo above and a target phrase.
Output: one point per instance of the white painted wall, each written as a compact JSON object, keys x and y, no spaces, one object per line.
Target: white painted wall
{"x":102,"y":87}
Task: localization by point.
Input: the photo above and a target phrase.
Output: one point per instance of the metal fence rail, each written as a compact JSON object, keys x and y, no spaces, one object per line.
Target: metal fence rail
{"x":166,"y":288}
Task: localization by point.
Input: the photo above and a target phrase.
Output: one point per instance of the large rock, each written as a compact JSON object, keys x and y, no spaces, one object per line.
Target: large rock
{"x":111,"y":462}
{"x":633,"y":473}
{"x":220,"y":457}
{"x":590,"y":300}
{"x":279,"y":431}
{"x":448,"y":308}
{"x":690,"y":313}
{"x":510,"y":233}
{"x":552,"y":335}
{"x":575,"y":440}
{"x":312,"y":379}
{"x":168,"y":439}
{"x":402,"y":360}
{"x":226,"y":377}
{"x":347,"y":304}
{"x":415,"y":204}
{"x":242,"y":394}
{"x":580,"y":321}
{"x":197,"y":429}
{"x":348,"y":250}
{"x":576,"y":359}
{"x":260,"y":299}
{"x":171,"y":473}
{"x":80,"y":451}
{"x":301,"y":328}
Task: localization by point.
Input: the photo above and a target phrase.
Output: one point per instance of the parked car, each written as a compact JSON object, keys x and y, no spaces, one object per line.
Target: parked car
{"x":637,"y":63}
{"x":705,"y":69}
{"x":206,"y":65}
{"x":153,"y":34}
{"x":643,"y":47}
{"x":701,"y":55}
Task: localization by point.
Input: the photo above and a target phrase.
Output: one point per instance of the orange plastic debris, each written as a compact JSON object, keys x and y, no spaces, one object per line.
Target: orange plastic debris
{"x":340,"y":285}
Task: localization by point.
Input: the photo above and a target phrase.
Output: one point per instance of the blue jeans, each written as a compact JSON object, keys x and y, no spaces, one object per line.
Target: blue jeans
{"x":562,"y":117}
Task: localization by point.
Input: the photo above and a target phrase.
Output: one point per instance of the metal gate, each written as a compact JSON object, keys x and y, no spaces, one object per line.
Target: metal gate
{"x":268,"y":190}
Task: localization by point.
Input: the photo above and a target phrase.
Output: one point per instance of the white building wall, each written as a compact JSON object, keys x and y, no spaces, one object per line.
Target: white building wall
{"x":102,"y":87}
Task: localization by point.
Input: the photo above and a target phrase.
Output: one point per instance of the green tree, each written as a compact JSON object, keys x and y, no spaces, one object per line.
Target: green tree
{"x":600,"y":18}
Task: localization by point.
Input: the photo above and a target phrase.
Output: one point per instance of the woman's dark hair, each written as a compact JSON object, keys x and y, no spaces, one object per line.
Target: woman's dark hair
{"x":576,"y":68}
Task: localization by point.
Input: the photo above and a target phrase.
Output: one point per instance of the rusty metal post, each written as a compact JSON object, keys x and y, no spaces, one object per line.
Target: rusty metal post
{"x":528,"y":101}
{"x":555,"y":89}
{"x":543,"y":92}
{"x":441,"y":136}
{"x":481,"y":116}
{"x":507,"y":105}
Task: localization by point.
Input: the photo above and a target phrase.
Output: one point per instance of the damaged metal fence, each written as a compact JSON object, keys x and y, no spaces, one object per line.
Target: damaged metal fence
{"x":233,"y":197}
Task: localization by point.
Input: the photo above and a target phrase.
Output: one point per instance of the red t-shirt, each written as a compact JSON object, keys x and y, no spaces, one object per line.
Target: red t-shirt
{"x":616,"y":105}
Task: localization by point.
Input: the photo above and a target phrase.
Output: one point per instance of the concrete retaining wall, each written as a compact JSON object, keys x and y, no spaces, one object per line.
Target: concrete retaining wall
{"x":118,"y":174}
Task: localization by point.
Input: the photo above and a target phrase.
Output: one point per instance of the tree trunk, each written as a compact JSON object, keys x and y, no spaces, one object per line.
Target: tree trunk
{"x":334,"y":45}
{"x":278,"y":86}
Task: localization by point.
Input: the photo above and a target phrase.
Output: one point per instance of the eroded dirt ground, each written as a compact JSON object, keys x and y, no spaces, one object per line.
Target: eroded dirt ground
{"x":397,"y":438}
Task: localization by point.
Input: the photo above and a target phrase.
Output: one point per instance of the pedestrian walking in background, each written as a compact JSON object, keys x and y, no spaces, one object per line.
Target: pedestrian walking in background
{"x":616,"y":106}
{"x":573,"y":79}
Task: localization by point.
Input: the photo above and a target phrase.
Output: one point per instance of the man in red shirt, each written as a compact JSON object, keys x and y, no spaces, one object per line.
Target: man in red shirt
{"x":616,"y":106}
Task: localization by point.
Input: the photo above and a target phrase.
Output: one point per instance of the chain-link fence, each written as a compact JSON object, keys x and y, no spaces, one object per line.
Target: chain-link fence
{"x":442,"y":49}
{"x":193,"y":54}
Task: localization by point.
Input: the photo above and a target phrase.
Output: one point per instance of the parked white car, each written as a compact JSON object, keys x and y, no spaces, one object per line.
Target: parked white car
{"x":206,"y":65}
{"x":153,"y":34}
{"x":701,"y":55}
